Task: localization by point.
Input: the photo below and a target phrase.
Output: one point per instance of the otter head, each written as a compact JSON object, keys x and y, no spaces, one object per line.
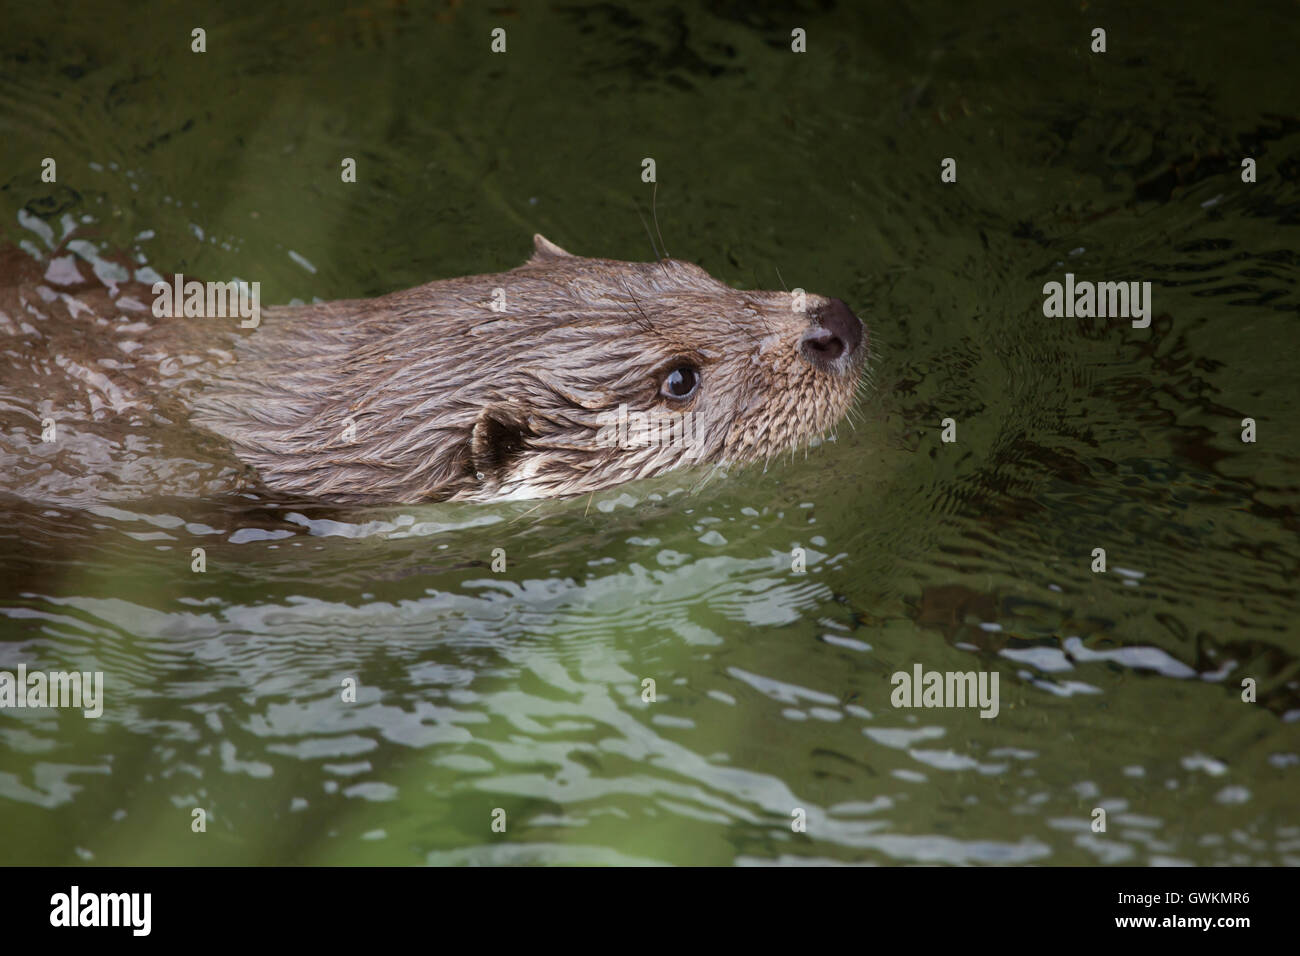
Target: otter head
{"x":626,"y":370}
{"x":563,"y":376}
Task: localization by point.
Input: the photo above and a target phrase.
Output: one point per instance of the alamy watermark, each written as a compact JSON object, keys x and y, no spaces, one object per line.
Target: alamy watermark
{"x":211,"y":300}
{"x":923,"y":688}
{"x":80,"y":689}
{"x":653,"y":429}
{"x":1102,"y":300}
{"x":75,"y":908}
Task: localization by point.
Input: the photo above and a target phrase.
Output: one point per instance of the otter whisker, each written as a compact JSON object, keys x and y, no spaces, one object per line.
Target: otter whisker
{"x":752,"y":337}
{"x":654,"y":194}
{"x":649,"y":326}
{"x":640,"y":321}
{"x":709,"y":476}
{"x":528,"y":512}
{"x":649,"y":234}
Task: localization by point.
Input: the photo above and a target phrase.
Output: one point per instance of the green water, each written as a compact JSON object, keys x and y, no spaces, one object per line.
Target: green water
{"x":521,"y":691}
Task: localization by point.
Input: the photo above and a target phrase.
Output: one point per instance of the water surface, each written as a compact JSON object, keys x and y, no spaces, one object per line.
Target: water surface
{"x":523,"y":690}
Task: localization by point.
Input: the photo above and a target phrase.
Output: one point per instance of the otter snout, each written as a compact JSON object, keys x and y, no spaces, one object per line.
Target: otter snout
{"x":836,"y":332}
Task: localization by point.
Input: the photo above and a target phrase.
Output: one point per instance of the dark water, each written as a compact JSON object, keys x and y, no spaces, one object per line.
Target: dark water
{"x":522,"y":691}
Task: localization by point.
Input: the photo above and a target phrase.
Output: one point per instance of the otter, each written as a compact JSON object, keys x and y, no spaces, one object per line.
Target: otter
{"x":515,"y":385}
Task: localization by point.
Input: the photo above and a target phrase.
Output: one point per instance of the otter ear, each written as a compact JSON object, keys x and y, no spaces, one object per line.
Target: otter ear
{"x":497,"y":441}
{"x":544,"y":249}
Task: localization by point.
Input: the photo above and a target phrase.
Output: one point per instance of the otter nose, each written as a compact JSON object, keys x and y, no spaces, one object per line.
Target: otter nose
{"x":837,"y":332}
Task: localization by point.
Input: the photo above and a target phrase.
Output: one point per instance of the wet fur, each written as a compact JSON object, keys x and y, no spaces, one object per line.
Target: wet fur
{"x":452,"y":400}
{"x":449,"y":399}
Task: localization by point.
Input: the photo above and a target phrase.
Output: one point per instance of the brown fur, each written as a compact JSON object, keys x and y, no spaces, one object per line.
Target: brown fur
{"x":452,"y":400}
{"x":446,"y":398}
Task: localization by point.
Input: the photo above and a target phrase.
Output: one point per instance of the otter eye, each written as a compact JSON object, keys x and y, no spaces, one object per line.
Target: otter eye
{"x":681,"y":383}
